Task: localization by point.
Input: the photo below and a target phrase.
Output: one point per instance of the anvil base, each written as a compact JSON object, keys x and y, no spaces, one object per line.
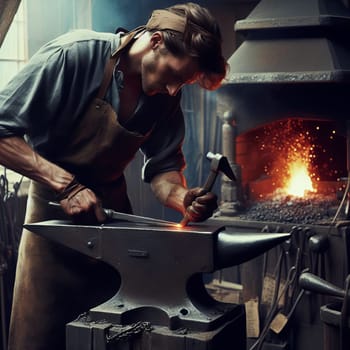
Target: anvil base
{"x":83,"y":334}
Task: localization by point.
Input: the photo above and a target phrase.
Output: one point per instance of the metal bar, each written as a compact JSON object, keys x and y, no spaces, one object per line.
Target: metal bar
{"x":138,"y":219}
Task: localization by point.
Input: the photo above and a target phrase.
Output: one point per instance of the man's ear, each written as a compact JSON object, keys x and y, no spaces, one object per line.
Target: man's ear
{"x":156,"y":39}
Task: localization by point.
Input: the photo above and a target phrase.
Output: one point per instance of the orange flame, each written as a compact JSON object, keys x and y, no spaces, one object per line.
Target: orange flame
{"x":299,"y":181}
{"x":295,"y":153}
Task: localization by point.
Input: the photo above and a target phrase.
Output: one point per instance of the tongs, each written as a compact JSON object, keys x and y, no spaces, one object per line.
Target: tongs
{"x":116,"y":215}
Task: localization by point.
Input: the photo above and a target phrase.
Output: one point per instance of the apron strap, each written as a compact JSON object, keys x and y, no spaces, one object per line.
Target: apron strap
{"x":109,"y":68}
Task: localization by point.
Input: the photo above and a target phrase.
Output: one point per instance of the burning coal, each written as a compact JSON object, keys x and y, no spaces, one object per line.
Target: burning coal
{"x":312,"y":209}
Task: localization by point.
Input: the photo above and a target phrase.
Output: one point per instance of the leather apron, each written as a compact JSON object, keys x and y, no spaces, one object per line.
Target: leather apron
{"x":54,"y":284}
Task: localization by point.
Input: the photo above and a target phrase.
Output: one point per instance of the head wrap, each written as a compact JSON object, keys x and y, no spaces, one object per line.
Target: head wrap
{"x":166,"y":20}
{"x":159,"y":20}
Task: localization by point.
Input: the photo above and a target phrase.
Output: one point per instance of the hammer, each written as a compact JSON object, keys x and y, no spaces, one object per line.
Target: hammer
{"x":218,"y":163}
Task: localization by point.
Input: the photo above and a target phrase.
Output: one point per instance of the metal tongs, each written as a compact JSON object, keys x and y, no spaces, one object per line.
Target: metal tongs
{"x":116,"y":215}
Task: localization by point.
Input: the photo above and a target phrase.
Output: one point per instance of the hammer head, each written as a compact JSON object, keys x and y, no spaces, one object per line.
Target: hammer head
{"x":219,"y":163}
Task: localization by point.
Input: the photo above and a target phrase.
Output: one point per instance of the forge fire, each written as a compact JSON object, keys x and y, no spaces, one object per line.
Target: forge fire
{"x":293,"y":171}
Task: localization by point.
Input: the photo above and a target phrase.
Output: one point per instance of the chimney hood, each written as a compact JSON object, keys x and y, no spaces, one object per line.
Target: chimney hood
{"x":294,"y":62}
{"x":293,"y":41}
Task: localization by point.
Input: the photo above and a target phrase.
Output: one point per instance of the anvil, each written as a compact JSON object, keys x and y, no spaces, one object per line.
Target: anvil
{"x":161,"y":269}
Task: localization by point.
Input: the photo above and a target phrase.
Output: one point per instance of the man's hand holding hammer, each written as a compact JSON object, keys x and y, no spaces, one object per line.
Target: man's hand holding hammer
{"x":196,"y":204}
{"x":199,"y":205}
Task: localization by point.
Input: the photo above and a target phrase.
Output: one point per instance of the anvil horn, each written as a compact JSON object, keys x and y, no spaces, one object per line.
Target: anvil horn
{"x":236,"y":248}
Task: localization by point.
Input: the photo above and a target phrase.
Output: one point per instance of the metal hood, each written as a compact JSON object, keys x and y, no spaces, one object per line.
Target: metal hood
{"x":293,"y":41}
{"x":294,"y":62}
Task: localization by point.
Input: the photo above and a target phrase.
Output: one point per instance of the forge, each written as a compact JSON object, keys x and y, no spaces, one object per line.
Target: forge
{"x":286,"y":131}
{"x":286,"y":116}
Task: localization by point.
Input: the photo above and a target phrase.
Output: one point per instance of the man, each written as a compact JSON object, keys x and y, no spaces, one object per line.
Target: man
{"x":71,"y":121}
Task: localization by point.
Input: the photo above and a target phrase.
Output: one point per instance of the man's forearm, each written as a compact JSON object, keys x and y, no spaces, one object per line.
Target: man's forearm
{"x":170,"y":189}
{"x":195,"y":204}
{"x":18,"y":156}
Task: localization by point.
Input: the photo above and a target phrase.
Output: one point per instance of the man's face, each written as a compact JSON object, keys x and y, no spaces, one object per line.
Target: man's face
{"x":164,"y":73}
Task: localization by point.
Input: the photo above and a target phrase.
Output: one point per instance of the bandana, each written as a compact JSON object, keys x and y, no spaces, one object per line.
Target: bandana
{"x":163,"y":20}
{"x":159,"y":20}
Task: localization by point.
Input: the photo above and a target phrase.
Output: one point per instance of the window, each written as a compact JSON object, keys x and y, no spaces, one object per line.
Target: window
{"x":35,"y":23}
{"x":13,"y":55}
{"x":14,"y":49}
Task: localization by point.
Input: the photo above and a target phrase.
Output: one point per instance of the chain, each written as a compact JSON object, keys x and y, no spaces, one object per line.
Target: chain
{"x":127,"y":332}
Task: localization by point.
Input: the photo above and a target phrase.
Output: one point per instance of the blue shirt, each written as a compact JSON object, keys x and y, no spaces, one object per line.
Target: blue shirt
{"x":44,"y":100}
